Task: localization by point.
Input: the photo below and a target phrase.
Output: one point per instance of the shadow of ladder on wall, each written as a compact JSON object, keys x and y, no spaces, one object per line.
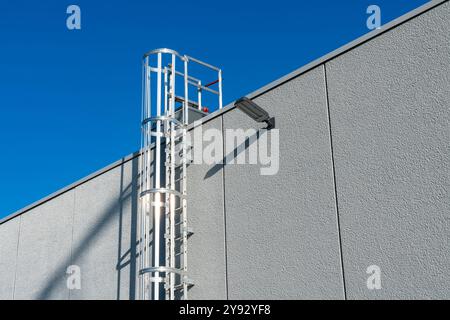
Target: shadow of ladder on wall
{"x":163,"y":198}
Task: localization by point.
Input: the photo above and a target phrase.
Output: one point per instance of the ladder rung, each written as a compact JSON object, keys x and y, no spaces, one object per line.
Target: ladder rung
{"x":189,"y":233}
{"x":176,"y":137}
{"x":176,"y":209}
{"x":179,"y":238}
{"x":166,"y":236}
{"x":162,"y":190}
{"x":169,"y":166}
{"x":188,"y":281}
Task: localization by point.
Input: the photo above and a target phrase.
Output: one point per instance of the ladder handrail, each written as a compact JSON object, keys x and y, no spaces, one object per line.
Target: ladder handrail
{"x":163,"y":50}
{"x":192,"y":80}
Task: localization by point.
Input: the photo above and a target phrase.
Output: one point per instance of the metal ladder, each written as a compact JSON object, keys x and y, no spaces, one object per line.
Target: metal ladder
{"x":163,"y":180}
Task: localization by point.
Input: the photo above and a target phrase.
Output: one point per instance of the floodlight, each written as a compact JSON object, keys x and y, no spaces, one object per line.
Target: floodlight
{"x":255,"y":112}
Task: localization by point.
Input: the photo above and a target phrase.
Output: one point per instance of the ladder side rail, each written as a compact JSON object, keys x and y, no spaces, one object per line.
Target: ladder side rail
{"x":167,"y":176}
{"x":172,"y":209}
{"x":183,"y":173}
{"x":172,"y":178}
{"x":184,"y":214}
{"x":157,"y":174}
{"x":147,"y":166}
{"x":141,"y":179}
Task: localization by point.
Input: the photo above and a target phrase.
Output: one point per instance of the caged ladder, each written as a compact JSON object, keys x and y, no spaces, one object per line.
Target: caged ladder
{"x":163,"y":162}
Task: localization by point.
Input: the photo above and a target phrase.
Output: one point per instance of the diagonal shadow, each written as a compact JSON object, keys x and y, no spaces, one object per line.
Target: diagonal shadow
{"x":129,"y":193}
{"x":232,"y":155}
{"x":130,"y":253}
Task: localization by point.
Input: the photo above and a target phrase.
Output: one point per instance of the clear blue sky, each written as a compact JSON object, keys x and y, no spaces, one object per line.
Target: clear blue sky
{"x":70,"y":100}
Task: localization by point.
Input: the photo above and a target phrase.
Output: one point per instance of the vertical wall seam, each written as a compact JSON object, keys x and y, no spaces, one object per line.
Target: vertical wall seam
{"x":224,"y":209}
{"x":333,"y":168}
{"x":17,"y":259}
{"x":120,"y":235}
{"x":73,"y":228}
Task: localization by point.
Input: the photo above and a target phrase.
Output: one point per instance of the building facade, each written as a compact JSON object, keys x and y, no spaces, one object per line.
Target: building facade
{"x":362,"y":187}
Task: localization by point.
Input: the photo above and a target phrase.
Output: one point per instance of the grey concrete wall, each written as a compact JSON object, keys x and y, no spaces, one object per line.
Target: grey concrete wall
{"x":91,"y":226}
{"x":206,"y":247}
{"x":9,"y":239}
{"x":390,"y":118}
{"x":282,"y":234}
{"x":104,"y":225}
{"x":363,"y":180}
{"x":44,"y":244}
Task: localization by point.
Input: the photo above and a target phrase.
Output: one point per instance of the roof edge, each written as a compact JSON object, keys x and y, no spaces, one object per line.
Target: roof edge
{"x":70,"y":186}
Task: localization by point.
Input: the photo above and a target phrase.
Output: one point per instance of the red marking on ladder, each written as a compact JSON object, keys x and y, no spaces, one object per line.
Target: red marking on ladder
{"x":211,"y":83}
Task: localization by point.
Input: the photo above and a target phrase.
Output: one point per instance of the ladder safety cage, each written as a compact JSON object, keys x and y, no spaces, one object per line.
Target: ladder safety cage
{"x":162,"y":222}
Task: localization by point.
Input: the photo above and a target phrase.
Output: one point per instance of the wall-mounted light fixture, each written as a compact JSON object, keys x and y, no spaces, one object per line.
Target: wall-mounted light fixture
{"x":254,"y":111}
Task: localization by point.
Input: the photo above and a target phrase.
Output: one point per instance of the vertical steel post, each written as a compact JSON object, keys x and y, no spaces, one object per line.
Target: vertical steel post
{"x":220,"y":88}
{"x":184,"y":193}
{"x":172,"y":187}
{"x":157,"y":201}
{"x":199,"y":95}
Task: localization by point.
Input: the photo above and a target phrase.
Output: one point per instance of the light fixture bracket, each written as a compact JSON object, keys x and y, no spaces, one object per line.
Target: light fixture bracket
{"x":255,"y":112}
